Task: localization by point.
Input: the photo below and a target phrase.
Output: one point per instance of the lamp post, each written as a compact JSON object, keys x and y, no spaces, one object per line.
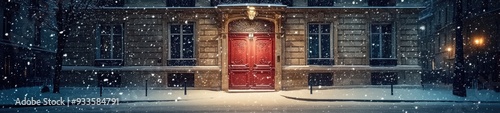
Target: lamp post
{"x":449,"y":62}
{"x":459,"y":78}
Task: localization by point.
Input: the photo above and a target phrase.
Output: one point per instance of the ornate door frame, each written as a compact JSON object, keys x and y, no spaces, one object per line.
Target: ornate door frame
{"x":232,"y":13}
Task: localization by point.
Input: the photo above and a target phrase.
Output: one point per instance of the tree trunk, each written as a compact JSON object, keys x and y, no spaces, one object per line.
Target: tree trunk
{"x":459,"y":78}
{"x":61,"y":42}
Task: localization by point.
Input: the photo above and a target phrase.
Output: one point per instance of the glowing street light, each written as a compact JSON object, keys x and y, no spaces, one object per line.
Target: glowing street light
{"x":478,"y":41}
{"x":448,"y":49}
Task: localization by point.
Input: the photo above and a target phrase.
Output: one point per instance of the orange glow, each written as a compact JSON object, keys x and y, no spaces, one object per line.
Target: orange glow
{"x":448,"y":49}
{"x":478,"y":41}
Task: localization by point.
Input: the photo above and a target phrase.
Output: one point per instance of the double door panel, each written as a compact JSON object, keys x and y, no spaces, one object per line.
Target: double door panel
{"x":251,"y":61}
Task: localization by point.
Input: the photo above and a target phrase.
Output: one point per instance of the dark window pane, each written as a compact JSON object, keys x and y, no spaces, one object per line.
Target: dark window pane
{"x":375,"y":46}
{"x":187,"y":46}
{"x":287,"y":2}
{"x":375,"y":28}
{"x":384,"y":78}
{"x":325,"y":28}
{"x":313,"y":46}
{"x":117,"y":47}
{"x":320,"y":79}
{"x":108,"y":79}
{"x":106,"y":30}
{"x":179,"y":79}
{"x":110,"y":3}
{"x":181,"y":62}
{"x":187,"y":29}
{"x":381,"y":2}
{"x":387,"y":46}
{"x":181,"y":3}
{"x":175,"y":46}
{"x":320,"y":2}
{"x":320,"y":62}
{"x":117,"y":30}
{"x":313,"y":28}
{"x":175,"y":29}
{"x":105,"y":47}
{"x":386,"y":28}
{"x":325,"y":46}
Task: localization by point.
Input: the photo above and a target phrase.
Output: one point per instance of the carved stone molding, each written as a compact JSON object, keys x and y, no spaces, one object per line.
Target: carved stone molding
{"x":245,"y":25}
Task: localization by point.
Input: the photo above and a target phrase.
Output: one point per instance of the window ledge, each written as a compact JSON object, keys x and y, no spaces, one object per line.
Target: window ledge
{"x":350,"y":67}
{"x":142,"y":68}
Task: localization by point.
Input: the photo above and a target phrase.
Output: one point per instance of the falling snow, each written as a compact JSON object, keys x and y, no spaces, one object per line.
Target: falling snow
{"x":186,"y":55}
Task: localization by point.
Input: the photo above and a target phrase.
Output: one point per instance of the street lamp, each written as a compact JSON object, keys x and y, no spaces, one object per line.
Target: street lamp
{"x":448,"y":49}
{"x":478,"y":41}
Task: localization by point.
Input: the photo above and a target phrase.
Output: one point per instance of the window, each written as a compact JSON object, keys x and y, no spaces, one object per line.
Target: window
{"x":384,"y":78}
{"x":36,"y":10}
{"x":381,"y":2}
{"x":179,"y":79}
{"x":320,"y":79}
{"x":109,"y":45}
{"x":108,"y":79}
{"x":9,"y":11}
{"x":181,"y":44}
{"x":320,"y":2}
{"x":284,"y":2}
{"x":111,"y":3}
{"x":382,"y":45}
{"x":319,"y":44}
{"x":181,"y":3}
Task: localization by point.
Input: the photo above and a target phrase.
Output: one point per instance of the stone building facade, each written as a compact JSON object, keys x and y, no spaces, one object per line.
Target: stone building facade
{"x":289,"y":44}
{"x":27,"y":43}
{"x":480,"y":35}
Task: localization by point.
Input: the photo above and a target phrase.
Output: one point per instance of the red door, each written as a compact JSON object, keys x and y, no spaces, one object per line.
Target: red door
{"x":251,"y":61}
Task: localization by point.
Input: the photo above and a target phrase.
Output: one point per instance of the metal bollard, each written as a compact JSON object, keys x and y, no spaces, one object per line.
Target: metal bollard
{"x":392,"y":85}
{"x":146,"y":90}
{"x":310,"y":86}
{"x":311,"y":89}
{"x":185,"y":86}
{"x":100,"y":91}
{"x":392,"y":89}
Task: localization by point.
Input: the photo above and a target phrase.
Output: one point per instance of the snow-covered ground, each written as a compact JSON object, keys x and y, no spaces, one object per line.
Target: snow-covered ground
{"x":9,"y":96}
{"x":432,"y":94}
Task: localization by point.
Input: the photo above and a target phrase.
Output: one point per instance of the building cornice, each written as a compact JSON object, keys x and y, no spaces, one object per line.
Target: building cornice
{"x":142,"y":68}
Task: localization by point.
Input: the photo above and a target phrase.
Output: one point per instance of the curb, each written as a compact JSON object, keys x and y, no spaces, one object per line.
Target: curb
{"x":391,"y":101}
{"x":70,"y":104}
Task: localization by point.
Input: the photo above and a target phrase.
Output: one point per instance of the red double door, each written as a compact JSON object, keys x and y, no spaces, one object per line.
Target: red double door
{"x":251,"y":61}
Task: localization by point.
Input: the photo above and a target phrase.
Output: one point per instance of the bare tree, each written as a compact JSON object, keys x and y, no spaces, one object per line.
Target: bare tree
{"x":68,"y":13}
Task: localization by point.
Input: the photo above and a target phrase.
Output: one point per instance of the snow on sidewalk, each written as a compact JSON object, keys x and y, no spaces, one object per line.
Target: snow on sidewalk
{"x":9,"y":96}
{"x":435,"y":94}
